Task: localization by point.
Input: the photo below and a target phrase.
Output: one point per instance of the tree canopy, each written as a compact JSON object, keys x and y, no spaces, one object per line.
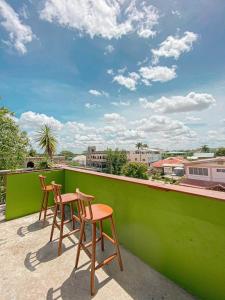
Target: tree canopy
{"x":220,"y":151}
{"x":136,"y":170}
{"x":46,"y":140}
{"x":13,"y":142}
{"x":205,"y":149}
{"x":115,"y":161}
{"x":68,"y":154}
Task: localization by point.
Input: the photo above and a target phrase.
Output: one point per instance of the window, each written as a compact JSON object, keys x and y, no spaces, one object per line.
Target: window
{"x":220,"y":170}
{"x":198,"y":171}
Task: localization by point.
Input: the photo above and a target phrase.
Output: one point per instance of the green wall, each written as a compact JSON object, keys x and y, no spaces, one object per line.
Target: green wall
{"x":181,"y":236}
{"x":23,"y":192}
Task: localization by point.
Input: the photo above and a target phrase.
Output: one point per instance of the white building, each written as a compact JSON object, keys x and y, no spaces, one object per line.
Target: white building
{"x":147,"y":156}
{"x":80,"y":159}
{"x":206,"y":170}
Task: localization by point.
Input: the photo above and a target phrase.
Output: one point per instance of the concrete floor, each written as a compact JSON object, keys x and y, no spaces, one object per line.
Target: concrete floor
{"x":30,"y":269}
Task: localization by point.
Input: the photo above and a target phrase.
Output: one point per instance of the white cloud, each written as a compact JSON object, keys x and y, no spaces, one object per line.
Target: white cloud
{"x":113,"y":118}
{"x":176,"y":13}
{"x":95,"y":92}
{"x":110,"y":72}
{"x":121,"y":103}
{"x":113,"y":131}
{"x":109,"y":49}
{"x":105,"y":18}
{"x":129,"y":82}
{"x":158,"y":73}
{"x":19,"y":34}
{"x":174,"y":46}
{"x":122,"y":70}
{"x":90,"y":105}
{"x":98,"y":93}
{"x":164,"y":125}
{"x":191,"y":102}
{"x":192,"y":119}
{"x":32,"y":121}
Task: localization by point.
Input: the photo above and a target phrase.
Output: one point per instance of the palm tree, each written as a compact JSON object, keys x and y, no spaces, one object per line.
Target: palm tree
{"x":205,"y":148}
{"x":47,"y":141}
{"x":139,"y":146}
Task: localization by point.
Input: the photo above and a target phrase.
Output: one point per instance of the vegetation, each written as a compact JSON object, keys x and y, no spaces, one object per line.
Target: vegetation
{"x":13,"y":146}
{"x":135,"y":170}
{"x":68,"y":154}
{"x":13,"y":142}
{"x":32,"y":152}
{"x":115,"y":161}
{"x":205,"y":149}
{"x":45,"y":164}
{"x":220,"y":151}
{"x":47,"y":141}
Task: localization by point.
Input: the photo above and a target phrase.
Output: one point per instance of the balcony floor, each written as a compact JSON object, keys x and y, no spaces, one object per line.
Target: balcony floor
{"x":30,"y":268}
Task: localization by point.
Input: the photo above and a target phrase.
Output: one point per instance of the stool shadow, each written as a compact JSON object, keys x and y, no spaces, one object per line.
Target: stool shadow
{"x":38,"y":225}
{"x":46,"y":253}
{"x":76,"y":286}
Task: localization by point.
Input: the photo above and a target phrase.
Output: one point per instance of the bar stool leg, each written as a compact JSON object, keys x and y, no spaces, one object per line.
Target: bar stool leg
{"x":61,"y":230}
{"x":54,"y":221}
{"x":71,"y":215}
{"x":117,"y":244}
{"x":80,"y":242}
{"x":42,"y":204}
{"x":102,"y":237}
{"x":93,"y":259}
{"x":45,"y":207}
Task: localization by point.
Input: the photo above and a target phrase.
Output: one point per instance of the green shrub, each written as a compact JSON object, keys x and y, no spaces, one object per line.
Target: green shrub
{"x":135,"y":170}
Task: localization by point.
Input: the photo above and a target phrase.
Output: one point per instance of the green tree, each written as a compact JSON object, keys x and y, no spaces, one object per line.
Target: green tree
{"x":32,"y":152}
{"x":205,"y":148}
{"x":115,"y":160}
{"x":68,"y":154}
{"x":220,"y":151}
{"x":13,"y":142}
{"x":136,"y":170}
{"x":47,"y":141}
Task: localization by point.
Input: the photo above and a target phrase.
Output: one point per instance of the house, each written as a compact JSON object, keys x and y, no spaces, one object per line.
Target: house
{"x":205,"y":173}
{"x":170,"y":165}
{"x":146,"y":156}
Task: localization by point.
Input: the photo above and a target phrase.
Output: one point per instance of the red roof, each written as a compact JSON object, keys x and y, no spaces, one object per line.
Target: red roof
{"x":169,"y":161}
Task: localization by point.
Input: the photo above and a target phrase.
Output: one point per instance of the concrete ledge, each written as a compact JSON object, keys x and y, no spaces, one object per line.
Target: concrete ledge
{"x":157,"y":185}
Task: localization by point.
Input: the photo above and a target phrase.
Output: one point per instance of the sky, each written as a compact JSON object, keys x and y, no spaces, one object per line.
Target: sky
{"x":112,"y":73}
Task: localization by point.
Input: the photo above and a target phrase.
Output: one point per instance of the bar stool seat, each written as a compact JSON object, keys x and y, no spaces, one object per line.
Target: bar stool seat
{"x":61,"y":201}
{"x":99,"y":212}
{"x":69,"y":197}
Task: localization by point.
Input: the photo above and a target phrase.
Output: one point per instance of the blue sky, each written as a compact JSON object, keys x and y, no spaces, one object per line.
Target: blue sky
{"x":111,"y":73}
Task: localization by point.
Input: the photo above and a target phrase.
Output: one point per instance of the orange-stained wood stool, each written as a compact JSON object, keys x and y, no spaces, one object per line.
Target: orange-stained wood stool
{"x":61,"y":200}
{"x":44,"y":204}
{"x":94,"y":214}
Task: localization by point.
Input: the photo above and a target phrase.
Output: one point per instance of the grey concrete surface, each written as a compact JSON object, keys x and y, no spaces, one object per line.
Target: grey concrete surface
{"x":31,"y":269}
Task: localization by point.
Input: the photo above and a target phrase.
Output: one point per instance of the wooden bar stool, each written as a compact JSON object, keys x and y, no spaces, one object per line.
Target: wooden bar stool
{"x":44,"y":204}
{"x":94,"y":214}
{"x":61,"y":200}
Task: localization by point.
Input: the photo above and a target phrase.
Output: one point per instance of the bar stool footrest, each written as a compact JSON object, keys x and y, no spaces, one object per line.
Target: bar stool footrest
{"x":106,"y":261}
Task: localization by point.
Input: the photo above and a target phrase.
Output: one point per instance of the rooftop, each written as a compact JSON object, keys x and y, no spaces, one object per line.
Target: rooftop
{"x":175,"y":230}
{"x":35,"y":269}
{"x":173,"y":161}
